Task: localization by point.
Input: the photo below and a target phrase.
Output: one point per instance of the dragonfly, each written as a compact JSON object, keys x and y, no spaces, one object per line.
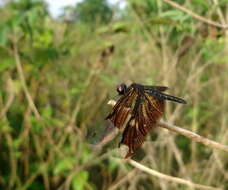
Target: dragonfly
{"x":137,"y":111}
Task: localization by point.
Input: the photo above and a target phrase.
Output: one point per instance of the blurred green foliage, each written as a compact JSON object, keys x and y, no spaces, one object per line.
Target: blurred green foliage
{"x":70,"y":74}
{"x":97,"y":11}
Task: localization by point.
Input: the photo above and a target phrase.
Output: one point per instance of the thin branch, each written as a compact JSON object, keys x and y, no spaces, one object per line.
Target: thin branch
{"x":107,"y":138}
{"x":22,"y":79}
{"x":123,"y":180}
{"x":11,"y":97}
{"x":193,"y":136}
{"x":187,"y":133}
{"x":169,"y":178}
{"x":196,"y":16}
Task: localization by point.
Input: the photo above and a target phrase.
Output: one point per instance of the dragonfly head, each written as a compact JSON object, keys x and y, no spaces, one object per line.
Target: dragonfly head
{"x":121,"y":89}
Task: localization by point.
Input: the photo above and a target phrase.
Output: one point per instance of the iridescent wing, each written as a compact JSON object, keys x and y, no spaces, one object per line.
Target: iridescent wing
{"x":122,"y":108}
{"x":159,"y":88}
{"x":161,"y":96}
{"x":148,"y":113}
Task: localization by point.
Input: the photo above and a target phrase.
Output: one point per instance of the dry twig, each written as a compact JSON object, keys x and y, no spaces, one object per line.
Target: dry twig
{"x":22,"y":79}
{"x":169,"y":178}
{"x":196,"y":16}
{"x":193,"y":136}
{"x":11,"y":97}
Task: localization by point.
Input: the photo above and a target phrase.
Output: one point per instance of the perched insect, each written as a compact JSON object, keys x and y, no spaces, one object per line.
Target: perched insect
{"x":138,"y":109}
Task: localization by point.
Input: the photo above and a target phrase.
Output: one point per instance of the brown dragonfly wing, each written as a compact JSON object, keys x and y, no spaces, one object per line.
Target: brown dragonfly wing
{"x":122,"y":108}
{"x":132,"y":137}
{"x":149,"y":112}
{"x":154,"y":108}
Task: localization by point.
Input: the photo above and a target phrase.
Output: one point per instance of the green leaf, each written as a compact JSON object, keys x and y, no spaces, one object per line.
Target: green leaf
{"x":85,"y":155}
{"x":38,"y":126}
{"x":193,"y":112}
{"x":78,"y":89}
{"x":17,"y":143}
{"x":75,"y":91}
{"x":80,"y":180}
{"x":4,"y":127}
{"x":64,"y":165}
{"x":6,"y":63}
{"x":4,"y":31}
{"x":204,"y":4}
{"x":120,"y":27}
{"x":47,"y":112}
{"x":212,"y":50}
{"x":113,"y":164}
{"x":175,"y":15}
{"x":163,"y":21}
{"x":110,"y":80}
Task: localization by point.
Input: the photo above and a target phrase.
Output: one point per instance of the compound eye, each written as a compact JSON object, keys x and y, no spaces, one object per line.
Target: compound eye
{"x":121,"y":89}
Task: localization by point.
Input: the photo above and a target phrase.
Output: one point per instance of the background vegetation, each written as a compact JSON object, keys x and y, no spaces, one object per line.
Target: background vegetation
{"x":57,"y":76}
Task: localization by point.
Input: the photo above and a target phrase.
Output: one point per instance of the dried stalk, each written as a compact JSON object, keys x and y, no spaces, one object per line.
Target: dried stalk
{"x":22,"y":79}
{"x":169,"y":178}
{"x":193,"y":136}
{"x":196,"y":16}
{"x":11,"y":97}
